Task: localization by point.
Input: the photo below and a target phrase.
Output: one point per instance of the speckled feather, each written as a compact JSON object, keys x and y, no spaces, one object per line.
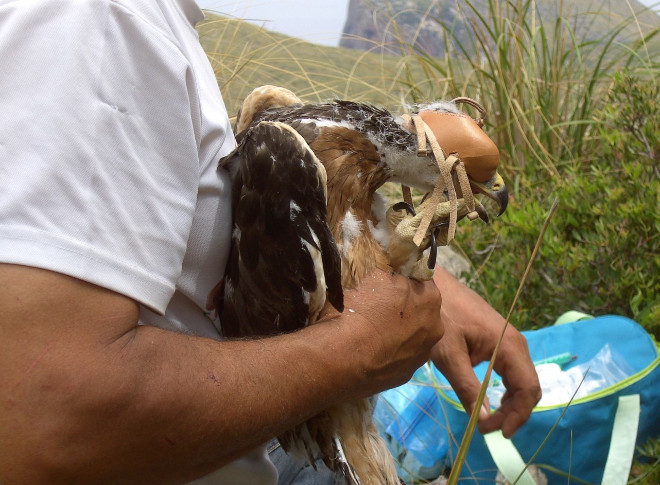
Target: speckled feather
{"x":369,"y":120}
{"x":279,"y":205}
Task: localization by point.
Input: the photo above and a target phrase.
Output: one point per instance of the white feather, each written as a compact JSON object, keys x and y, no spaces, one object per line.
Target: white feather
{"x":351,"y":228}
{"x":317,"y":298}
{"x":342,"y":458}
{"x":442,"y":106}
{"x":229,"y":289}
{"x":294,"y":210}
{"x":379,"y":230}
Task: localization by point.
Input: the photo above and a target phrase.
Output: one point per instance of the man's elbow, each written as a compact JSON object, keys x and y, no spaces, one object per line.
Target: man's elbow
{"x":54,"y":427}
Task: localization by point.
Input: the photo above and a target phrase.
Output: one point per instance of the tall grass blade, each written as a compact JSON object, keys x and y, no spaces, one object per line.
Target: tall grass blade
{"x":472,"y":423}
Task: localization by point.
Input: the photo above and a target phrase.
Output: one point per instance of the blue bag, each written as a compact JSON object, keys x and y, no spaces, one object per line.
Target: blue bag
{"x":411,"y":421}
{"x":583,"y":446}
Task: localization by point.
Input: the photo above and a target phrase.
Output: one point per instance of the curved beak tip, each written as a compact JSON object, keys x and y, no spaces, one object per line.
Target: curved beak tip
{"x":502,"y":199}
{"x":496,"y":190}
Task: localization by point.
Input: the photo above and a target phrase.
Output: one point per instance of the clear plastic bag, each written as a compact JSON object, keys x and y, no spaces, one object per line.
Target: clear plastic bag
{"x":606,"y":368}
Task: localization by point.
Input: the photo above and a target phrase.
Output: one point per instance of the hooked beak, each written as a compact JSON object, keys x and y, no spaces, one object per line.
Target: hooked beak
{"x":494,"y":189}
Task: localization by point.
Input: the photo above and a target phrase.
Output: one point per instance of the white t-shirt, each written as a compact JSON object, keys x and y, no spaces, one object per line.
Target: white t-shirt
{"x":112,"y":125}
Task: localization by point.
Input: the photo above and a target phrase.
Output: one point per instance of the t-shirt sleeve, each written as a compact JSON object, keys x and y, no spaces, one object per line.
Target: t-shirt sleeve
{"x":99,"y":163}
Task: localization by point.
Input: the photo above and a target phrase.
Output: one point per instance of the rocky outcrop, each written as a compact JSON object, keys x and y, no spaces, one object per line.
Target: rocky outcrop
{"x":382,"y":25}
{"x":425,"y":25}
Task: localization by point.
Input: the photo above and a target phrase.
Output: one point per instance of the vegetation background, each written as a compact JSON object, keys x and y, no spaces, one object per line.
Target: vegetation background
{"x":575,"y":112}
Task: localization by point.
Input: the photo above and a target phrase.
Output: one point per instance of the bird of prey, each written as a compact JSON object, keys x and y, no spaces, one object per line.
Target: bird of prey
{"x":309,"y":223}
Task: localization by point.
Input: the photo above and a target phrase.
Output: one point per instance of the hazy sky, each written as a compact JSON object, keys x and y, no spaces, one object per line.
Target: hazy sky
{"x":319,"y":21}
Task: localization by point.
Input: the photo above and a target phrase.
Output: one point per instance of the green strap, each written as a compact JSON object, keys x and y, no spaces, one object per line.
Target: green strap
{"x":572,"y":316}
{"x":619,"y":459}
{"x":506,"y":457}
{"x":622,"y":446}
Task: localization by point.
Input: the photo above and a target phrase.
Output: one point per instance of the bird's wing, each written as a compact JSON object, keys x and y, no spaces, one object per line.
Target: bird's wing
{"x":283,"y":262}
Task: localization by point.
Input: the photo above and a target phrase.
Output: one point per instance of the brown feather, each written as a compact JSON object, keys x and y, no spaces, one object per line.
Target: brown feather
{"x":351,"y":162}
{"x":262,"y":98}
{"x":352,"y":166}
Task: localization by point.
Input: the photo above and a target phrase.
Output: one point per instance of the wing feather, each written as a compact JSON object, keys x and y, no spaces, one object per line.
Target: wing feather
{"x":283,"y":258}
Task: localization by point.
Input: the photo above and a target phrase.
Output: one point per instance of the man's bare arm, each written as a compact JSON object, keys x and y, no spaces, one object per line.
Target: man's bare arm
{"x":86,"y":394}
{"x":472,"y":328}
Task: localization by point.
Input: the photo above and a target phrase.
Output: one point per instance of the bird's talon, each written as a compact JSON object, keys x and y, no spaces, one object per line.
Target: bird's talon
{"x":433,"y":255}
{"x":483,"y":215}
{"x":404,"y":206}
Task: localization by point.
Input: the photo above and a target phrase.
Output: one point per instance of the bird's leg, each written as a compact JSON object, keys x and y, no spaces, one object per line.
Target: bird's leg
{"x":408,"y":258}
{"x":397,"y":213}
{"x":405,"y":256}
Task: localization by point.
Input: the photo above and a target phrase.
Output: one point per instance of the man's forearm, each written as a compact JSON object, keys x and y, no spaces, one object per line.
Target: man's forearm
{"x":235,"y":395}
{"x":86,"y":395}
{"x":160,"y":406}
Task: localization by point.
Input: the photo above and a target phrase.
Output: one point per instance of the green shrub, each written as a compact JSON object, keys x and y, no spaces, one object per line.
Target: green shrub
{"x":601,"y":253}
{"x":646,"y":468}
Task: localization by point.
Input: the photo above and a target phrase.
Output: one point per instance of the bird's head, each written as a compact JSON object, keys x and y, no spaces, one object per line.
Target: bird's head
{"x":458,"y":134}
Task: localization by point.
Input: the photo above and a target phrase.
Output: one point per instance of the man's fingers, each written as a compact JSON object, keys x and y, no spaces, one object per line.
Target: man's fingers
{"x":521,"y":381}
{"x":511,"y":415}
{"x":514,"y":418}
{"x":451,"y":357}
{"x":517,"y":403}
{"x":466,"y":385}
{"x":517,"y":406}
{"x":514,"y":409}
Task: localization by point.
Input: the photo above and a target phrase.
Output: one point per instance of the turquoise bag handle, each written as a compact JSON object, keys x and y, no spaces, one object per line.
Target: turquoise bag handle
{"x":619,"y":459}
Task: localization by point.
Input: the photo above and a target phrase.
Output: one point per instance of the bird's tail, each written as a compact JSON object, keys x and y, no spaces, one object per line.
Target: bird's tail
{"x":363,"y":447}
{"x":316,"y":438}
{"x":347,"y":440}
{"x":342,"y":465}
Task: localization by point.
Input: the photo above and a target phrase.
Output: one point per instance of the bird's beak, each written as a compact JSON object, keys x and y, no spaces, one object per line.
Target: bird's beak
{"x":494,"y":189}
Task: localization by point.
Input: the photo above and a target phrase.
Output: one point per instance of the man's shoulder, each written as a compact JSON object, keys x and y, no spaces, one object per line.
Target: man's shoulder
{"x":76,"y":12}
{"x":166,"y":15}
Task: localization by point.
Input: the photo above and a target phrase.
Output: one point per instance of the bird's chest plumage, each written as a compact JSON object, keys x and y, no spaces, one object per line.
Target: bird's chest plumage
{"x":355,"y":172}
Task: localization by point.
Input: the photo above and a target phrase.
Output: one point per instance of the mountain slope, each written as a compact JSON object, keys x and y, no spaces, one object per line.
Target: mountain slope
{"x":245,"y":56}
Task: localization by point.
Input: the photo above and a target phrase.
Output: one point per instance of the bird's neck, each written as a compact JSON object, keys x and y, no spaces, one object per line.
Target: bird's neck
{"x":354,"y":174}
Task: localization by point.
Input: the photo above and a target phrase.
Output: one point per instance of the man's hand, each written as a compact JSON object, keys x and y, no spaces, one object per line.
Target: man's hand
{"x":472,"y":328}
{"x":395,"y":321}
